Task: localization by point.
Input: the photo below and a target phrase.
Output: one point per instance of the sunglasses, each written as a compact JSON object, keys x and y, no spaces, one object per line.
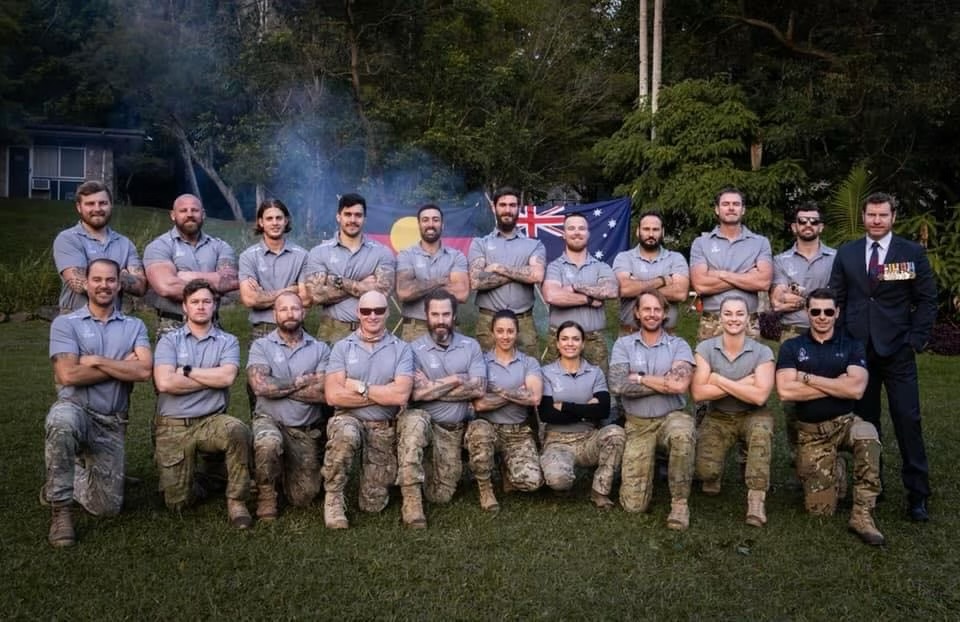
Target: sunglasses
{"x":808,"y":221}
{"x":826,"y":312}
{"x":374,"y":310}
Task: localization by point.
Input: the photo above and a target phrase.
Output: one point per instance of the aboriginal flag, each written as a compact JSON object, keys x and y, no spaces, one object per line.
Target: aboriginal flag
{"x":609,"y":223}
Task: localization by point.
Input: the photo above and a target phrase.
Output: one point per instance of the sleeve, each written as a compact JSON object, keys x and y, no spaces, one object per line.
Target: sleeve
{"x":301,"y":264}
{"x":248,"y":265}
{"x":857,"y":354}
{"x":620,"y":355}
{"x":554,"y":272}
{"x":787,"y":357}
{"x":476,"y":250}
{"x":779,"y":272}
{"x":678,"y":264}
{"x":683,"y":352}
{"x":478,"y":366}
{"x":225,"y":254}
{"x":324,"y":359}
{"x":621,"y":263}
{"x":258,"y":354}
{"x":315,"y":262}
{"x":924,"y":299}
{"x":166,"y":353}
{"x":142,"y":339}
{"x":133,"y":257}
{"x":531,"y":367}
{"x":68,"y":252}
{"x":593,"y":412}
{"x":336,"y":362}
{"x":62,"y":337}
{"x":231,"y":351}
{"x":156,"y":252}
{"x":766,"y":354}
{"x":599,"y":382}
{"x":703,"y":349}
{"x":540,"y":251}
{"x":838,"y":282}
{"x":696,"y":252}
{"x":405,"y":365}
{"x":387,"y":259}
{"x":459,"y":262}
{"x":765,"y":253}
{"x":605,"y":271}
{"x":404,"y":260}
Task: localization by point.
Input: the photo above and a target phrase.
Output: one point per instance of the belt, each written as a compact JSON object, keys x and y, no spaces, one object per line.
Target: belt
{"x":177,"y":422}
{"x":258,"y":324}
{"x":450,"y":427}
{"x":166,"y":315}
{"x":413,"y":320}
{"x":527,"y":313}
{"x":354,"y":325}
{"x":823,"y":427}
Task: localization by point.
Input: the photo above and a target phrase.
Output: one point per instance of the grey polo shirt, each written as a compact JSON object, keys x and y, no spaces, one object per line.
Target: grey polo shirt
{"x":655,"y":360}
{"x":576,"y":388}
{"x":75,"y":248}
{"x":744,"y":364}
{"x":272,"y":271}
{"x":566,"y":272}
{"x":306,"y":357}
{"x":333,"y":258}
{"x":739,"y":255}
{"x":426,"y":267}
{"x":516,"y":252}
{"x":80,"y":333}
{"x":642,"y":269}
{"x":178,"y":348}
{"x":513,"y":375}
{"x":792,"y":267}
{"x":206,"y":256}
{"x":389,"y":358}
{"x":462,"y":356}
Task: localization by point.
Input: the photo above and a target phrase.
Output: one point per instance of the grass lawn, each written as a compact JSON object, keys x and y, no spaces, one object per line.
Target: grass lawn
{"x":543,"y":557}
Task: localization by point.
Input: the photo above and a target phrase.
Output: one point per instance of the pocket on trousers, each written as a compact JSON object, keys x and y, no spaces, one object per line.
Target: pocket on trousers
{"x":170,"y":457}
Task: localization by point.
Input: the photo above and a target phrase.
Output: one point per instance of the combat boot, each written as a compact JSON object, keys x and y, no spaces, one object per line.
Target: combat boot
{"x":334,"y":514}
{"x":679,"y":518}
{"x":61,"y":526}
{"x":238,"y":513}
{"x":508,"y":486}
{"x":601,"y":500}
{"x":488,"y":501}
{"x":412,"y":509}
{"x":861,"y":523}
{"x":266,"y":502}
{"x":756,"y":512}
{"x":711,"y":487}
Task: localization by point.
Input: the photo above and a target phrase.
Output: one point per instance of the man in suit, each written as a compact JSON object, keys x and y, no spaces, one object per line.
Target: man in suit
{"x":887,"y":290}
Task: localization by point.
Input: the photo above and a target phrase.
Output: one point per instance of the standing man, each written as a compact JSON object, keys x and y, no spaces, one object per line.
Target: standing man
{"x":734,"y":376}
{"x":271,"y":267}
{"x":650,"y":371}
{"x":286,"y":370}
{"x":823,"y":372}
{"x":799,"y":270}
{"x":369,"y":378}
{"x":450,"y":374}
{"x":729,"y":260}
{"x":887,"y":291}
{"x":92,"y":238}
{"x":97,"y":353}
{"x":340,"y":270}
{"x":181,"y":255}
{"x":426,"y":267}
{"x":504,"y":268}
{"x":196,"y":365}
{"x":576,"y":286}
{"x":650,"y":266}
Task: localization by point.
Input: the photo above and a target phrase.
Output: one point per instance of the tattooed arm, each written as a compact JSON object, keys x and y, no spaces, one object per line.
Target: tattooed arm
{"x":469,"y":389}
{"x":603,"y":289}
{"x":253,"y":296}
{"x":227,"y":280}
{"x":75,"y":279}
{"x":427,"y":390}
{"x":133,"y":280}
{"x":266,"y":385}
{"x":410,"y":288}
{"x":532,"y":273}
{"x":311,"y":388}
{"x":625,"y":383}
{"x":321,"y":291}
{"x":482,"y":279}
{"x":135,"y":367}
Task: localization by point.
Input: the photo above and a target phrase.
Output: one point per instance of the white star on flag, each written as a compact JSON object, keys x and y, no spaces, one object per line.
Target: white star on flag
{"x":598,"y":254}
{"x":598,"y":212}
{"x":612,"y":223}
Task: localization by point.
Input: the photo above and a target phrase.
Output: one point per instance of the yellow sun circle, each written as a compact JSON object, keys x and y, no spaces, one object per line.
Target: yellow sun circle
{"x":404,"y":233}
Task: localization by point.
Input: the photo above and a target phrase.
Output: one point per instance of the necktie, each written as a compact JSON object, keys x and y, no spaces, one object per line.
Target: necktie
{"x":873,"y":268}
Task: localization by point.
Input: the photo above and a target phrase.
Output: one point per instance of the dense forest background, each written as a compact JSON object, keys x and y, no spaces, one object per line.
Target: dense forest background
{"x":407,"y":100}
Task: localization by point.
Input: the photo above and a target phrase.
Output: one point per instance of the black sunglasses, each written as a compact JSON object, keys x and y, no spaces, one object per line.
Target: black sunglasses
{"x":374,"y":310}
{"x":808,"y":221}
{"x":827,"y":312}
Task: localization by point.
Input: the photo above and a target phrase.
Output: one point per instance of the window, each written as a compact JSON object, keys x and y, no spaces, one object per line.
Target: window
{"x":58,"y":162}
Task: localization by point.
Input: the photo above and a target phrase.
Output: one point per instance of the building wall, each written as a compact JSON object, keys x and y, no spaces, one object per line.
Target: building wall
{"x":99,"y":165}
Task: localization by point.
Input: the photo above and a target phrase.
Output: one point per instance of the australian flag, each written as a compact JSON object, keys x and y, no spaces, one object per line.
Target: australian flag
{"x":609,"y":223}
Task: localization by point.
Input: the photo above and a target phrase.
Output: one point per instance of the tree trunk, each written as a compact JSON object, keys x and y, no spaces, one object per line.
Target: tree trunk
{"x":644,"y":66}
{"x":372,"y":149}
{"x":657,"y":52}
{"x":188,"y":167}
{"x":208,"y":168}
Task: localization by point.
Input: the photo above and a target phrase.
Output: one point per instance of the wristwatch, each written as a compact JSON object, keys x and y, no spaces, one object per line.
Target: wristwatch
{"x":363,"y":389}
{"x":186,"y":371}
{"x":805,"y":378}
{"x":338,"y":282}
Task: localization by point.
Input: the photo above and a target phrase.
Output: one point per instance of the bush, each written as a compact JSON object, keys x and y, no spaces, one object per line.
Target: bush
{"x":29,"y":284}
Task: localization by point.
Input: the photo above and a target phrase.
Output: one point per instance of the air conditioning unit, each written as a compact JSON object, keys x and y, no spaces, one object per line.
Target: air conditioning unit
{"x":40,"y":184}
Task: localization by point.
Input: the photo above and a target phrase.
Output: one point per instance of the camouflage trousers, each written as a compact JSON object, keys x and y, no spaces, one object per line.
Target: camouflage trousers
{"x":84,"y":453}
{"x":563,"y":451}
{"x":720,"y":430}
{"x":438,"y":469}
{"x":332,"y":331}
{"x":377,"y":440}
{"x":789,"y":331}
{"x":674,"y":434}
{"x":515,"y":444}
{"x":526,"y":336}
{"x":594,"y":349}
{"x":290,"y":455}
{"x":710,"y":326}
{"x":412,"y":329}
{"x":817,"y":446}
{"x":179,"y":441}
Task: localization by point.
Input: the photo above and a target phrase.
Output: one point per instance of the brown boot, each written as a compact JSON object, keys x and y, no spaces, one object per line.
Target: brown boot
{"x":334,"y":514}
{"x":488,"y":501}
{"x":238,"y":513}
{"x":756,"y":512}
{"x":601,"y":500}
{"x":266,"y":502}
{"x":679,"y":518}
{"x":508,"y":486}
{"x":861,"y":523}
{"x":61,"y":526}
{"x":412,"y":509}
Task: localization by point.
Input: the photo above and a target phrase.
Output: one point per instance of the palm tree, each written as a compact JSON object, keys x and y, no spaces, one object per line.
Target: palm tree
{"x":843,"y":211}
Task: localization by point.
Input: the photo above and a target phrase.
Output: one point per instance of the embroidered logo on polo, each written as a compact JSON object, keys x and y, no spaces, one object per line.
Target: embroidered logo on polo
{"x":802,"y":355}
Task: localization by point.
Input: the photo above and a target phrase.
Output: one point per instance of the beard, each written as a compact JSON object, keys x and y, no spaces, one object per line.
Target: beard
{"x":650,"y":245}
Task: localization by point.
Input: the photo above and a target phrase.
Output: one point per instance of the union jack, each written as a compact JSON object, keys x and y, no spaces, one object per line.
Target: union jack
{"x":549,"y":220}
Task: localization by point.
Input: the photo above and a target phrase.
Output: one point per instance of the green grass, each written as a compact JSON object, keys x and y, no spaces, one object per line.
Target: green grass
{"x":542,"y":557}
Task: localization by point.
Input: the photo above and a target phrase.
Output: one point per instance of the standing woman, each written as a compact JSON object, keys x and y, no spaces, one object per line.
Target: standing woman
{"x":514,"y":386}
{"x":575,"y":402}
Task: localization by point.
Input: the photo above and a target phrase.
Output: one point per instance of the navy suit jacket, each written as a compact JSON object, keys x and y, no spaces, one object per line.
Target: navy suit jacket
{"x":891,"y":313}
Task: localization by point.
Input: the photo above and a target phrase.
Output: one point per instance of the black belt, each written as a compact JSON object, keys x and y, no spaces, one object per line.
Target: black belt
{"x":413,"y":320}
{"x":180,"y":422}
{"x":354,"y":325}
{"x":177,"y":317}
{"x":520,"y":316}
